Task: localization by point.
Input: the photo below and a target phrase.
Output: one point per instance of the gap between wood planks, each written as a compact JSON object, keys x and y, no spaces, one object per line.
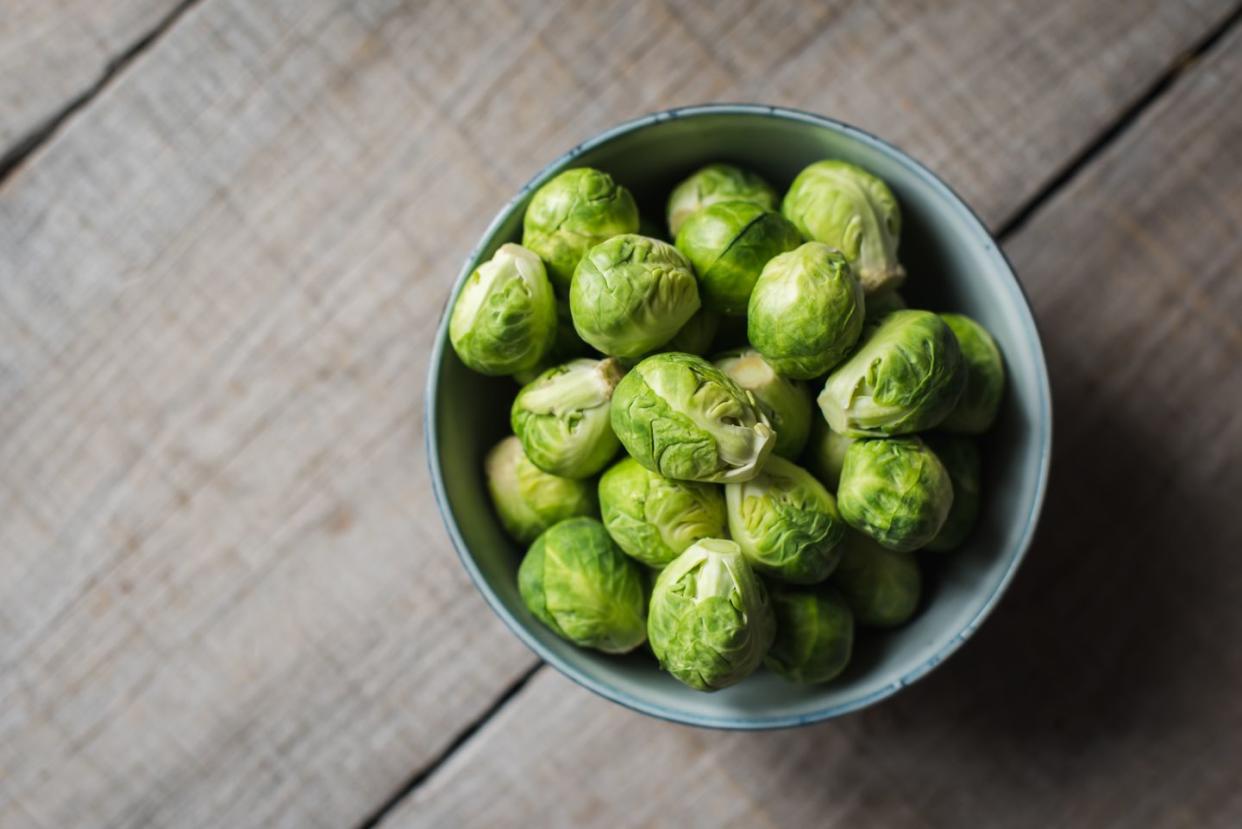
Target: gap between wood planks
{"x":1017,"y":219}
{"x":25,"y":146}
{"x":1180,"y":65}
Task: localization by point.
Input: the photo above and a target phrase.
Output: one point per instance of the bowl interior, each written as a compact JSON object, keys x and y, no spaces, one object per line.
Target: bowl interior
{"x":953,"y":264}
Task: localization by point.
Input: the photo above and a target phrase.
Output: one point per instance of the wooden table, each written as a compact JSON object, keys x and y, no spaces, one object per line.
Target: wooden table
{"x":226,"y":231}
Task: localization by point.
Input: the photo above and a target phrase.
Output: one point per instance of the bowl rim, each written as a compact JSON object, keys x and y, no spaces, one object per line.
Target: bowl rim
{"x":735,"y":722}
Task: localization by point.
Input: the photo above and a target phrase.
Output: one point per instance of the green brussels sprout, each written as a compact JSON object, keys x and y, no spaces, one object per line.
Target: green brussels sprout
{"x":960,"y":457}
{"x":826,"y":454}
{"x":710,"y":623}
{"x":985,"y":378}
{"x":696,"y":336}
{"x":573,"y":212}
{"x":631,"y":295}
{"x":806,"y":311}
{"x":786,"y":523}
{"x":881,"y":305}
{"x":905,"y":377}
{"x":785,"y":403}
{"x":881,"y":586}
{"x":716,"y":183}
{"x":845,"y":206}
{"x":504,"y":319}
{"x":895,"y":490}
{"x":654,"y":519}
{"x":679,"y":415}
{"x":562,"y":418}
{"x":529,"y":500}
{"x":576,"y":581}
{"x":814,"y":635}
{"x":729,"y":243}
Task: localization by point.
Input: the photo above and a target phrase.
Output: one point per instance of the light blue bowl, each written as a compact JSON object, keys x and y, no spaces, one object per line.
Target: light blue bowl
{"x":953,"y":264}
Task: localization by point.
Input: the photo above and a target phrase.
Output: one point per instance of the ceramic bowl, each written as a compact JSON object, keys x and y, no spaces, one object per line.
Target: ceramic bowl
{"x":953,"y":264}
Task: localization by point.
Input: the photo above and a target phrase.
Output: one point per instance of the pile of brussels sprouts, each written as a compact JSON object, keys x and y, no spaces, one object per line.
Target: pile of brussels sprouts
{"x":743,"y":524}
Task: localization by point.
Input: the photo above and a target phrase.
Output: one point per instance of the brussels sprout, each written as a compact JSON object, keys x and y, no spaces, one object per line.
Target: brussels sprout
{"x":679,"y":415}
{"x":729,"y":243}
{"x":881,"y":305}
{"x":572,"y":213}
{"x":785,"y":403}
{"x":985,"y":377}
{"x":562,"y":418}
{"x":529,"y":500}
{"x":881,"y":586}
{"x":631,"y":294}
{"x":710,"y":622}
{"x":814,"y":635}
{"x":786,"y":523}
{"x":845,"y":206}
{"x":905,"y":377}
{"x":576,"y":581}
{"x":654,"y":519}
{"x":716,"y":183}
{"x":826,"y":454}
{"x":695,"y":337}
{"x":895,"y":490}
{"x":960,"y":457}
{"x":504,"y":319}
{"x":806,"y":311}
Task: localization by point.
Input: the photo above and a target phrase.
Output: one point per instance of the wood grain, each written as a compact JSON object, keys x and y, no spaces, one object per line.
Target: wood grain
{"x":1103,"y":692}
{"x":227,"y":598}
{"x":52,"y":51}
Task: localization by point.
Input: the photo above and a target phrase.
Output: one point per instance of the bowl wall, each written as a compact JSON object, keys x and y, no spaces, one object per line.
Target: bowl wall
{"x":953,"y":264}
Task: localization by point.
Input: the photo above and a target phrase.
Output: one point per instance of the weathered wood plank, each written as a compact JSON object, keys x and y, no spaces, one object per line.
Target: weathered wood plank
{"x":227,"y":599}
{"x":52,"y":51}
{"x":1104,"y":690}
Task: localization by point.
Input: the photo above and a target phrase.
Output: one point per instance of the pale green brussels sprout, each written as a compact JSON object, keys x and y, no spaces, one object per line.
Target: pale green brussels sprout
{"x":562,"y":417}
{"x":881,"y":586}
{"x":529,"y":500}
{"x":985,"y":378}
{"x":716,"y":183}
{"x":960,"y":457}
{"x":786,"y":523}
{"x":814,"y":635}
{"x":729,"y":243}
{"x":806,"y":311}
{"x":696,"y":336}
{"x":679,"y":415}
{"x":504,"y":319}
{"x":905,"y":377}
{"x":573,"y":212}
{"x":786,"y":403}
{"x":895,"y":490}
{"x":710,"y":621}
{"x":631,"y":295}
{"x":653,"y":518}
{"x":853,"y":211}
{"x":576,"y":581}
{"x":881,"y":305}
{"x":825,"y":454}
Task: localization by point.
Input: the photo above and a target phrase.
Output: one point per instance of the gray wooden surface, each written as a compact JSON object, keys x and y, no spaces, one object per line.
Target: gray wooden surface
{"x":227,"y":598}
